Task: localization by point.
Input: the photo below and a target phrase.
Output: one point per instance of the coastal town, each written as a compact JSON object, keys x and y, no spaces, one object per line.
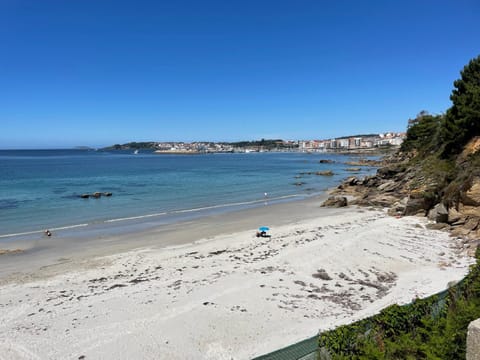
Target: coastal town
{"x":370,"y":142}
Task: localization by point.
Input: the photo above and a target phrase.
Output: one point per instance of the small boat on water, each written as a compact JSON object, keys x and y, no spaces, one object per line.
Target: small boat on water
{"x":135,"y":152}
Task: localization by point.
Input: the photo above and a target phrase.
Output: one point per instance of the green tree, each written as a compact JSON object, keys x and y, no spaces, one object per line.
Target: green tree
{"x":422,"y":133}
{"x":462,"y":121}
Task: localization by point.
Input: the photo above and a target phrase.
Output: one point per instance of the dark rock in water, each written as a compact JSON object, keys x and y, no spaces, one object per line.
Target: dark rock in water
{"x":325,"y":173}
{"x":8,"y":203}
{"x":335,"y":201}
{"x":326,"y":161}
{"x":95,"y":195}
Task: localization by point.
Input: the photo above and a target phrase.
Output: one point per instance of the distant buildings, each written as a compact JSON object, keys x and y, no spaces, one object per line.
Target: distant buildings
{"x":360,"y":142}
{"x":347,"y":143}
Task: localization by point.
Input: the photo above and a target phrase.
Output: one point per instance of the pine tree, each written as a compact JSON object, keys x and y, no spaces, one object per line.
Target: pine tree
{"x":462,"y":121}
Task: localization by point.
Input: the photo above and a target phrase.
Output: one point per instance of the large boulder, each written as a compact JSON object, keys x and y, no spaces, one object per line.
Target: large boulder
{"x":352,"y":181}
{"x":398,"y":208}
{"x":473,"y":340}
{"x":439,"y":213}
{"x":415,"y":206}
{"x":335,"y":201}
{"x":372,"y":181}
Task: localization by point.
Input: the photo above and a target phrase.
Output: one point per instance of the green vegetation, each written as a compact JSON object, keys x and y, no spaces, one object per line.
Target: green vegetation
{"x":434,"y":142}
{"x":423,"y":134}
{"x":132,"y":145}
{"x":263,"y":144}
{"x":462,"y":121}
{"x":432,"y":328}
{"x":446,"y":135}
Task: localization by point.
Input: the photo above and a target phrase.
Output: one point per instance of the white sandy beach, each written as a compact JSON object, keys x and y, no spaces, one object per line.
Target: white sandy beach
{"x":226,"y":294}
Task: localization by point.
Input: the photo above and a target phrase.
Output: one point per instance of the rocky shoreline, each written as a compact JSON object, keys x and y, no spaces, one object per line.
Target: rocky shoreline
{"x":404,"y":190}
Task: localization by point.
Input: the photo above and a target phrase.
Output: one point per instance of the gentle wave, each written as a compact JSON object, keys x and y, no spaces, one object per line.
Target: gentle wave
{"x":135,"y":217}
{"x":42,"y":231}
{"x":233,"y":204}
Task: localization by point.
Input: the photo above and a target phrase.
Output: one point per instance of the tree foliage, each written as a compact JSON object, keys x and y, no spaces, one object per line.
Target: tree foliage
{"x":423,"y":134}
{"x":462,"y":121}
{"x":446,"y":135}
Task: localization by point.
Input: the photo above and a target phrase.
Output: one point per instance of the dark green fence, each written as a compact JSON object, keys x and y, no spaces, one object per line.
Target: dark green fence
{"x":303,"y":350}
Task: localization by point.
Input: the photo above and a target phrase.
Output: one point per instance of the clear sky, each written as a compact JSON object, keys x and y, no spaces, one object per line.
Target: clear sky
{"x":99,"y":72}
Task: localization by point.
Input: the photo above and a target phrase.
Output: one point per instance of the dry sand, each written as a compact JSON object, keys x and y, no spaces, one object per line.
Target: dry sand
{"x":225,"y":294}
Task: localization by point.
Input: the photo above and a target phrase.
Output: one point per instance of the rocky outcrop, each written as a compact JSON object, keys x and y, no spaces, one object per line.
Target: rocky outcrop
{"x":336,"y":201}
{"x":407,"y":187}
{"x":470,"y":199}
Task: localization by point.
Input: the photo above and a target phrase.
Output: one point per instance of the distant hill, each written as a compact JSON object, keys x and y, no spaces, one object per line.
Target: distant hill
{"x":132,"y":145}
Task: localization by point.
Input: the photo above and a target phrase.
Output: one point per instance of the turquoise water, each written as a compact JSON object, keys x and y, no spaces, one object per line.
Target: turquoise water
{"x":41,"y":189}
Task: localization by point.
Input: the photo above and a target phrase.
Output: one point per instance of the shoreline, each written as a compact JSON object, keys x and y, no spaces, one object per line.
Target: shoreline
{"x":209,"y":289}
{"x":167,"y":216}
{"x":78,"y":242}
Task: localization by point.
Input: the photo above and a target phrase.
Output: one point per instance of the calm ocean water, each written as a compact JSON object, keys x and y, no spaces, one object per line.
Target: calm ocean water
{"x":40,"y":189}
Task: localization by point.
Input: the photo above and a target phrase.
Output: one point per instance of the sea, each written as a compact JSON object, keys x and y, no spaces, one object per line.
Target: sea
{"x":41,"y":189}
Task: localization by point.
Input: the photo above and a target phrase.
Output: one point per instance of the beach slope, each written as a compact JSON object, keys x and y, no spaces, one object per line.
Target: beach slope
{"x":230,"y":295}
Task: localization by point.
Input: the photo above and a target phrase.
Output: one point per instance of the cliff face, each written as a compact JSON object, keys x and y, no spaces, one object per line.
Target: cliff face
{"x":447,"y":192}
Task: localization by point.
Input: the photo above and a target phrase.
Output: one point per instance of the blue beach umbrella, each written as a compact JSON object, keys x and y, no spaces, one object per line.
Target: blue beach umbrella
{"x":264,"y":228}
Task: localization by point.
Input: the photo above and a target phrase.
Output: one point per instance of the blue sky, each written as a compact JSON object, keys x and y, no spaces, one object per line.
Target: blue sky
{"x":96,"y":72}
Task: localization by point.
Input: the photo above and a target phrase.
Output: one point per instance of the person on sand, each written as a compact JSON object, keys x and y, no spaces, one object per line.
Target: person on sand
{"x":262,"y":234}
